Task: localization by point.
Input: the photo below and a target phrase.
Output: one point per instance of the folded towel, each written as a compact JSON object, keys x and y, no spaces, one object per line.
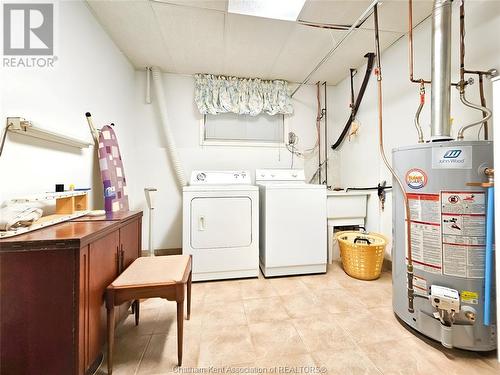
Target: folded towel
{"x":12,"y":217}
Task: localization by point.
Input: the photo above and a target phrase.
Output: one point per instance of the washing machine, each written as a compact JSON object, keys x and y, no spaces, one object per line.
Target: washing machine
{"x":293,"y":224}
{"x":221,"y":225}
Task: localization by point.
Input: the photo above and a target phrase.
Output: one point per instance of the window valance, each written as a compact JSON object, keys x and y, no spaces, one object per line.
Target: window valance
{"x":245,"y":96}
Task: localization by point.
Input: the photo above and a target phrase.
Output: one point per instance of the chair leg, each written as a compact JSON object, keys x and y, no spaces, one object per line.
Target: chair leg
{"x":136,"y":305}
{"x":180,"y":330}
{"x":111,"y":337}
{"x":189,"y":296}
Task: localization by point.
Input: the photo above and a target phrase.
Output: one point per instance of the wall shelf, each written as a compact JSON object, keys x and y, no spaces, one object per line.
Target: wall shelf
{"x":19,"y":125}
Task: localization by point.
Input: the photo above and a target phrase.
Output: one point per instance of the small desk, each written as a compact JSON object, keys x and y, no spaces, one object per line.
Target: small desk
{"x":52,"y":283}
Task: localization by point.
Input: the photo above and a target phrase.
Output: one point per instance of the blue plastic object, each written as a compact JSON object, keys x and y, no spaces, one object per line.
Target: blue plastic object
{"x":488,"y":262}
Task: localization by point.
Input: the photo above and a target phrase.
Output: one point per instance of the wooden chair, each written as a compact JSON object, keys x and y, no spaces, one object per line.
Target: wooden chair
{"x":149,"y":277}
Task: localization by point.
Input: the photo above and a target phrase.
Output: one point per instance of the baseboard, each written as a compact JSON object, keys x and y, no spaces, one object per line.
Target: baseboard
{"x":161,"y":252}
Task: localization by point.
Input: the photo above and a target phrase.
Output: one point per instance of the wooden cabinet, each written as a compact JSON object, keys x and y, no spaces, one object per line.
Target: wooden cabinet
{"x":52,"y":286}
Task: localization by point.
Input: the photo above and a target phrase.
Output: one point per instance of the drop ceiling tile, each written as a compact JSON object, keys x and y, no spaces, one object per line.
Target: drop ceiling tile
{"x":351,"y":55}
{"x":194,"y":37}
{"x":131,"y":25}
{"x":302,"y":50}
{"x":253,"y":44}
{"x":338,"y":12}
{"x":393,"y":15}
{"x":220,"y":5}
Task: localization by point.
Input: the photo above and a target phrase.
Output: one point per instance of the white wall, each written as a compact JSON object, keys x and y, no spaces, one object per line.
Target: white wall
{"x":152,"y":163}
{"x":358,"y":162}
{"x":92,"y":75}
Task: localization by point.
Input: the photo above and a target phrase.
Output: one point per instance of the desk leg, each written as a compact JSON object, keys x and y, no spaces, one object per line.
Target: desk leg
{"x":180,"y":330}
{"x":111,"y":337}
{"x":189,"y":295}
{"x":136,"y":305}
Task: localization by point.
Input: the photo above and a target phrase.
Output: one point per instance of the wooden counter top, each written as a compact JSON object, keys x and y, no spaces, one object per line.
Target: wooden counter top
{"x":112,"y":216}
{"x":68,"y":235}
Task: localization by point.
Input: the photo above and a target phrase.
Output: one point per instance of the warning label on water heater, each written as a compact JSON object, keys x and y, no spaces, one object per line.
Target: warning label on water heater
{"x":463,"y":222}
{"x":425,"y":221}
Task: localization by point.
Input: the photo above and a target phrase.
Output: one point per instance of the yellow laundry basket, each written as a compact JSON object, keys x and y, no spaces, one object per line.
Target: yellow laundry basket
{"x":362,"y":254}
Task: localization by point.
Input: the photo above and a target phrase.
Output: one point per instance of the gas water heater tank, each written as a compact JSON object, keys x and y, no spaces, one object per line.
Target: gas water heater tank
{"x":448,"y":222}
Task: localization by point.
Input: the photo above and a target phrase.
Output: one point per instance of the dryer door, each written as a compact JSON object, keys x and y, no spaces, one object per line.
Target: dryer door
{"x":221,"y":222}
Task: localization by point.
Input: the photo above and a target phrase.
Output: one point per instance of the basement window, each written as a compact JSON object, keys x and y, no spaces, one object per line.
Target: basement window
{"x":230,"y":129}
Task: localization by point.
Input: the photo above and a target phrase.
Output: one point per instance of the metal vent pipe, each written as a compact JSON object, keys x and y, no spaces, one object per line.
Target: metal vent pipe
{"x":441,"y":70}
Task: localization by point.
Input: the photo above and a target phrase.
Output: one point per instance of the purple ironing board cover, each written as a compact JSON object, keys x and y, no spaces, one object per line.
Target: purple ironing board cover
{"x":112,"y":173}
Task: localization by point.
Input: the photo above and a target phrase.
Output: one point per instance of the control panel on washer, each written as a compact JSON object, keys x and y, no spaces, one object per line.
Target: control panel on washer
{"x":279,"y":175}
{"x":220,"y":178}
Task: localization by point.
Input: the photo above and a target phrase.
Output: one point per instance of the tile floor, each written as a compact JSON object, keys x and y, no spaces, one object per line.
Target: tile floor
{"x":292,"y":321}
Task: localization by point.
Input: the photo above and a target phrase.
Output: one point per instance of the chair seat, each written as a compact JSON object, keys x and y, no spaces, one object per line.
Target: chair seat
{"x":163,"y":270}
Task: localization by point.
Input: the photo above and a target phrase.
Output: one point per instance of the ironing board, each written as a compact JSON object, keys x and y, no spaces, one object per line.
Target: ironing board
{"x":112,"y":173}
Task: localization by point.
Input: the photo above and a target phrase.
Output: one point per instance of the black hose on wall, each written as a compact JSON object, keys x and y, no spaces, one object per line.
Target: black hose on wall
{"x":354,"y":110}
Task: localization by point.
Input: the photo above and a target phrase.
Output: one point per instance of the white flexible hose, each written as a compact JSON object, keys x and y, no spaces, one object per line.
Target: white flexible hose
{"x":171,"y":148}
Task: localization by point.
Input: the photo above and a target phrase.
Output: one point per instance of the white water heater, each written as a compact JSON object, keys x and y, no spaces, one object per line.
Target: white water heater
{"x":448,"y":221}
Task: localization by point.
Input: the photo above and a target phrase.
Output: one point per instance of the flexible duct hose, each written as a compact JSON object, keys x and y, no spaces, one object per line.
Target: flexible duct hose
{"x":354,"y":110}
{"x":171,"y":148}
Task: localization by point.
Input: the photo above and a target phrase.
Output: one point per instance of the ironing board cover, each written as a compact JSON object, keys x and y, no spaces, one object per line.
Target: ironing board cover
{"x":112,"y":173}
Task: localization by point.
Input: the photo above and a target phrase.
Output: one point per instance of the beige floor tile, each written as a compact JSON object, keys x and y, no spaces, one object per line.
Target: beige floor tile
{"x":370,"y":326}
{"x":288,"y":364}
{"x":222,"y":291}
{"x":317,"y":283}
{"x":152,"y":303}
{"x":265,"y":310}
{"x":302,"y":305}
{"x":454,"y":361}
{"x":491,"y":359}
{"x":339,"y":301}
{"x":344,"y":324}
{"x":285,"y":286}
{"x":147,"y":323}
{"x":161,"y":354}
{"x":373,"y":295}
{"x":166,"y":322}
{"x":256,"y":288}
{"x":322,"y":333}
{"x":198,"y":292}
{"x":408,"y":357}
{"x":224,"y":314}
{"x":127,"y":354}
{"x":348,"y":281}
{"x":229,"y":345}
{"x":274,"y":339}
{"x":351,"y":361}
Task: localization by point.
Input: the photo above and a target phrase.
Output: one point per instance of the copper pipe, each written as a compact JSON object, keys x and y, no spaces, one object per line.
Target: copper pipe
{"x":410,"y":45}
{"x":318,"y":129}
{"x":486,"y":113}
{"x":462,"y":47}
{"x":409,"y":267}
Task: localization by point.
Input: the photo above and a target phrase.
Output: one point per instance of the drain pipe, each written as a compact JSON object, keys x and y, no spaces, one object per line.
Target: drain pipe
{"x":378,"y":71}
{"x":171,"y":148}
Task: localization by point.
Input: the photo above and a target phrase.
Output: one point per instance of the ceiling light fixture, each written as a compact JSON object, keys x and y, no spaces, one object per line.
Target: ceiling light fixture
{"x":287,"y":10}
